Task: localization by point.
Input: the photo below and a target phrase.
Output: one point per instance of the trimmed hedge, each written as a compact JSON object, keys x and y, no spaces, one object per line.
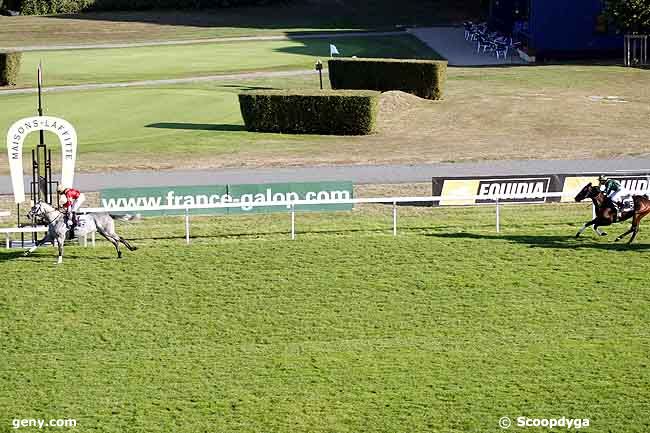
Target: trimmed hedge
{"x":423,"y":78}
{"x":41,"y":7}
{"x":337,"y":112}
{"x":9,"y":68}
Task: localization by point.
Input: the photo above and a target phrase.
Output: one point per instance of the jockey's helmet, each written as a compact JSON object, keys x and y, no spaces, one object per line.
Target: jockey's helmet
{"x":60,"y":189}
{"x":602,"y":178}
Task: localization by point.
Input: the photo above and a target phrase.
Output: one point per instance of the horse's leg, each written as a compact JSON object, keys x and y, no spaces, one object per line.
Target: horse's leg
{"x":584,"y":227}
{"x":634,"y":233}
{"x":126,"y":243}
{"x":594,"y":225}
{"x":60,"y":240}
{"x":622,"y":235}
{"x":38,"y":244}
{"x":112,"y":239}
{"x":635,"y":226}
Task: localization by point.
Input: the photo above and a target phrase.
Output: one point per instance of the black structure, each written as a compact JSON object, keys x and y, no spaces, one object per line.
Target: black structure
{"x":557,"y":28}
{"x":41,"y":187}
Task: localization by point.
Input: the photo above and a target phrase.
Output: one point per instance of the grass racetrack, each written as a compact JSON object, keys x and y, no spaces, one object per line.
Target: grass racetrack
{"x":445,"y":328}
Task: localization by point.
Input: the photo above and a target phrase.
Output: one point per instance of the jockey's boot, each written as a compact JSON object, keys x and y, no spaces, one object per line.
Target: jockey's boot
{"x":628,"y":204}
{"x":617,"y":209}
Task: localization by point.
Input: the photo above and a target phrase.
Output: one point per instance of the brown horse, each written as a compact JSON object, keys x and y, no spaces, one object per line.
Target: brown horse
{"x":606,"y":213}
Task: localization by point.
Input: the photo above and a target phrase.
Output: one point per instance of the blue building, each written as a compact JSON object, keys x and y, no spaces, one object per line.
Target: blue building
{"x":557,"y":28}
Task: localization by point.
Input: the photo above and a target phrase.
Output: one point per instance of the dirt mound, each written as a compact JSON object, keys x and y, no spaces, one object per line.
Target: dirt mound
{"x":396,"y":101}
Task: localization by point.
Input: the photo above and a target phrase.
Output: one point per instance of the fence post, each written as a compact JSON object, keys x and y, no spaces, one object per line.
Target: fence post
{"x":187,"y":226}
{"x":498,"y":216}
{"x":394,"y":218}
{"x":293,"y":222}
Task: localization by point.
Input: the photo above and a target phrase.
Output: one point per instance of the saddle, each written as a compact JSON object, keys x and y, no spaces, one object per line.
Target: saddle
{"x":625,"y":205}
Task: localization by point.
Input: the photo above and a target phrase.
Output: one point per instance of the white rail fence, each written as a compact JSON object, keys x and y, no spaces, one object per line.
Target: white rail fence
{"x":291,"y":206}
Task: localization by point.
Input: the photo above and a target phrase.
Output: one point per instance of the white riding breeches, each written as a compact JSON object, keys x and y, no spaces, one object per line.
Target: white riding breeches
{"x":619,"y":195}
{"x":78,"y":202}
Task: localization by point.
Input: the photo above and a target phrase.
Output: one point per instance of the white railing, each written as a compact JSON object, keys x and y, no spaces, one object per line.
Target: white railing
{"x":635,"y":48}
{"x":291,"y":205}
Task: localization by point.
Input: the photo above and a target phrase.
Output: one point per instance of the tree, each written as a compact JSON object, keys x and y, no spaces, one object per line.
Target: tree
{"x":629,"y":16}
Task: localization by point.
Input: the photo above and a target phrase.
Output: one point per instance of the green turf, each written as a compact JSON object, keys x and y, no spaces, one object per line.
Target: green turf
{"x":163,"y":62}
{"x":180,"y":124}
{"x":445,"y":328}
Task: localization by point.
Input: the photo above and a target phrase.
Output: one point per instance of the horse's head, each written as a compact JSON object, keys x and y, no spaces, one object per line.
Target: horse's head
{"x":35,"y":211}
{"x":39,"y":211}
{"x":589,"y":191}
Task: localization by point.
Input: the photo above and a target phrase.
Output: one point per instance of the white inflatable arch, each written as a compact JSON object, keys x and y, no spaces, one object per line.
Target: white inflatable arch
{"x":16,"y":137}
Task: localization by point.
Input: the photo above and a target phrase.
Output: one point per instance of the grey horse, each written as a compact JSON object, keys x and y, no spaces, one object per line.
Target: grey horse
{"x":89,"y":223}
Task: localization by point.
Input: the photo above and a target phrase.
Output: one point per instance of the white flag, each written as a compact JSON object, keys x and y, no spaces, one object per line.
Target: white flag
{"x":40,"y":75}
{"x":333,"y":50}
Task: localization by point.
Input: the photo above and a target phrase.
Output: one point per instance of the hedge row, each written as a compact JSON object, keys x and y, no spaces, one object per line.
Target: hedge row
{"x":310,"y":112}
{"x":424,"y":78}
{"x":9,"y":68}
{"x":40,"y":7}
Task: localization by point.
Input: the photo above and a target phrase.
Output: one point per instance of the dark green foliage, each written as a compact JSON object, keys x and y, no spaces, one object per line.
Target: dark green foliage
{"x":9,"y":68}
{"x":632,"y":17}
{"x":423,"y":78}
{"x":39,"y":7}
{"x":42,"y":7}
{"x":310,"y":112}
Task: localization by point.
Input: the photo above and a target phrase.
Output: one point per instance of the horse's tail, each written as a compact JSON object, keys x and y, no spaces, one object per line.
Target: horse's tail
{"x":125,"y":217}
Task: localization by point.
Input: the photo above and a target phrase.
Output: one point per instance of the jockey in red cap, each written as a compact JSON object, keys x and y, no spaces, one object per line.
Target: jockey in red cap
{"x":73,"y":201}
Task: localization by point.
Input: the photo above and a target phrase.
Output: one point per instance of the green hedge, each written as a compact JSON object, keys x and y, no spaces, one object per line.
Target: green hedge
{"x":40,"y":7}
{"x":424,"y":78}
{"x":342,"y":112}
{"x":9,"y":68}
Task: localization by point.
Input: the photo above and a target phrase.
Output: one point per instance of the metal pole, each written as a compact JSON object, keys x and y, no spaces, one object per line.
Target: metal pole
{"x":498,"y":217}
{"x":40,"y":102}
{"x":293,"y":222}
{"x":187,"y":226}
{"x":394,"y":218}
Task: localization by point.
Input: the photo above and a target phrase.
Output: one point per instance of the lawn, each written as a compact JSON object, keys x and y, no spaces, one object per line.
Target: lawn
{"x":537,"y":112}
{"x":445,"y":328}
{"x":296,"y":17}
{"x":164,"y":62}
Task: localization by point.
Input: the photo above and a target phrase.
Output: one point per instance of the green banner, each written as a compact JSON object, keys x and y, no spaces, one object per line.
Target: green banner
{"x":247,"y":195}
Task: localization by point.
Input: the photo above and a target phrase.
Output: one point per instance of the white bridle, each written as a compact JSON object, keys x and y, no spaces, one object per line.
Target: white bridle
{"x":41,"y":210}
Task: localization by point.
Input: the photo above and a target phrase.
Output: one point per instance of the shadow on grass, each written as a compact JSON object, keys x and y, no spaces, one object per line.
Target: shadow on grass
{"x":549,"y":241}
{"x":387,"y":230}
{"x":11,"y":255}
{"x":244,"y":87}
{"x":197,"y":126}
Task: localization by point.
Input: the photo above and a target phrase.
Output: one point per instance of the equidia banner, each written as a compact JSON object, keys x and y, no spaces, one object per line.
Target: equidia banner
{"x":533,"y":187}
{"x":246,"y":195}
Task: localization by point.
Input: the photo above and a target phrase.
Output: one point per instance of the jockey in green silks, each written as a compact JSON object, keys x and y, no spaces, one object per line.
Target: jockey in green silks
{"x":619,"y":196}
